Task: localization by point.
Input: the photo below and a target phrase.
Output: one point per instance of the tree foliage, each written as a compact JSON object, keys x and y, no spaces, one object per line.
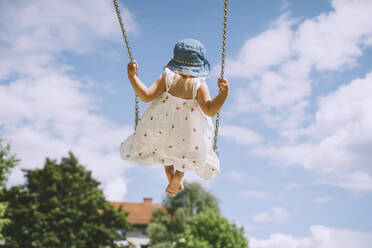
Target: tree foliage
{"x":61,"y":206}
{"x":211,"y":230}
{"x":192,"y":200}
{"x":192,"y":220}
{"x":7,"y":162}
{"x":167,"y":227}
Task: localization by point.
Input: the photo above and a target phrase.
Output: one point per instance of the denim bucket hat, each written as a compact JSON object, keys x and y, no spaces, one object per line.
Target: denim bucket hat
{"x":188,"y":58}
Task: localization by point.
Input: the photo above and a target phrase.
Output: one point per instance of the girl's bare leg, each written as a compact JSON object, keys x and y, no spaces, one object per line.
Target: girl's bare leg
{"x":169,"y":172}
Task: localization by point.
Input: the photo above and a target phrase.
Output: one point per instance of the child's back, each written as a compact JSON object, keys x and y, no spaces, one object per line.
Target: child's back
{"x":182,"y":86}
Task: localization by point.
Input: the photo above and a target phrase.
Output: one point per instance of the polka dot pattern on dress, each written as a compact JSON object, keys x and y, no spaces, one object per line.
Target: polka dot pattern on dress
{"x":173,"y":131}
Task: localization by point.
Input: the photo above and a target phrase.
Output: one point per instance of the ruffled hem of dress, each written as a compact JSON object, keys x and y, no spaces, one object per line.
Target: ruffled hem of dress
{"x":205,"y":169}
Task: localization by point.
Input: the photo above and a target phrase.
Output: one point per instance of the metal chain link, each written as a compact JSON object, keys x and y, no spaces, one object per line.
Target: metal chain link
{"x":130,"y":57}
{"x":224,"y":30}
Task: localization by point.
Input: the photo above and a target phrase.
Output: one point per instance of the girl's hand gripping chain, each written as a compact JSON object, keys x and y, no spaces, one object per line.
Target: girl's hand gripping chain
{"x":223,"y":84}
{"x":132,"y":69}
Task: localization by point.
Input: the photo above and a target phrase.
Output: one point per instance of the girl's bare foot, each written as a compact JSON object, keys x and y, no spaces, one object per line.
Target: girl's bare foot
{"x":176,"y":180}
{"x":169,"y":172}
{"x":181,"y":187}
{"x":170,"y":191}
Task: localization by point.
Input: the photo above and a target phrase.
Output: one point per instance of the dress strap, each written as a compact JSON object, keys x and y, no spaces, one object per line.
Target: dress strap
{"x":197,"y":83}
{"x":169,"y":75}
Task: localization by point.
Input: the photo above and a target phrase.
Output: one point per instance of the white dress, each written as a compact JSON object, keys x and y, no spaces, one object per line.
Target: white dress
{"x":174,"y":131}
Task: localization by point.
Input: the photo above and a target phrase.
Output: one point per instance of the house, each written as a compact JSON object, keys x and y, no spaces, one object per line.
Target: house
{"x":139,"y":216}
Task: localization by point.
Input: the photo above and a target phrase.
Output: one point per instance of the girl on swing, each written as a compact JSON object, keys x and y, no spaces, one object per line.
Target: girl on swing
{"x":176,"y":129}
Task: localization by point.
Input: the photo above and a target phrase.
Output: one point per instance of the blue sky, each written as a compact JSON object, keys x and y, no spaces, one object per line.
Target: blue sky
{"x":296,"y":130}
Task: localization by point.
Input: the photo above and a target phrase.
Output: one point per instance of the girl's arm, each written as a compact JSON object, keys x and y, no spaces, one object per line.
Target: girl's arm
{"x":211,"y":107}
{"x":144,"y":93}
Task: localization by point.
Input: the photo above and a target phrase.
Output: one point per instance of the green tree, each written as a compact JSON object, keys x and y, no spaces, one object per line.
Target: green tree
{"x":3,"y":221}
{"x":193,"y":199}
{"x":167,"y":227}
{"x":61,"y":206}
{"x":210,"y":230}
{"x":7,"y":162}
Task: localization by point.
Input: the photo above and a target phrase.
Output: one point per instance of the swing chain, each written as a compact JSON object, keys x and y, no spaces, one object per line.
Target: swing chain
{"x":130,"y":57}
{"x":224,"y":30}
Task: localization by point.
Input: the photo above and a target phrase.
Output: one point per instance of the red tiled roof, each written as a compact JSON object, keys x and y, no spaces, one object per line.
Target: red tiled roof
{"x":139,"y":213}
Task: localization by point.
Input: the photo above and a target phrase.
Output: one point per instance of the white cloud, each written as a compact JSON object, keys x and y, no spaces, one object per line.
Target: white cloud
{"x":284,"y":5}
{"x":237,"y":176}
{"x":35,"y":33}
{"x":328,"y":47}
{"x":241,"y":135}
{"x":279,"y":61}
{"x":254,"y":194}
{"x":260,"y":53}
{"x":262,"y":217}
{"x":368,"y":41}
{"x":44,"y":110}
{"x":292,"y":185}
{"x":279,"y":241}
{"x":321,"y":237}
{"x":116,"y":189}
{"x":278,"y":79}
{"x":276,"y":90}
{"x":50,"y":115}
{"x":323,"y":199}
{"x":355,"y":181}
{"x":248,"y":228}
{"x":348,"y":107}
{"x":276,"y":214}
{"x":339,"y":141}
